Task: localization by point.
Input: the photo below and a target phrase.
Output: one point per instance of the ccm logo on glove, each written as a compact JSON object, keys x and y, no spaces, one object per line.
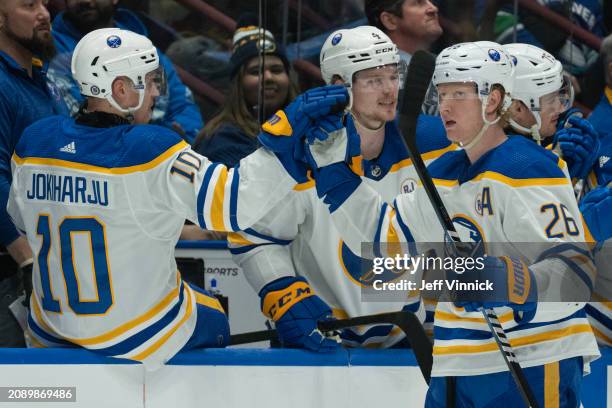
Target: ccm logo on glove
{"x":519,"y":280}
{"x":276,"y":303}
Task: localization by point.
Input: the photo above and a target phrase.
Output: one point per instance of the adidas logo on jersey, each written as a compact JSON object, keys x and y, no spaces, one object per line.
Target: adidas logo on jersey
{"x":603,"y":160}
{"x":69,"y":148}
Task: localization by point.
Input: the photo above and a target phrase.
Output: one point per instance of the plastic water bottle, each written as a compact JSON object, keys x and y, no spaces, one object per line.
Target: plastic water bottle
{"x":213,"y":287}
{"x":214,"y":290}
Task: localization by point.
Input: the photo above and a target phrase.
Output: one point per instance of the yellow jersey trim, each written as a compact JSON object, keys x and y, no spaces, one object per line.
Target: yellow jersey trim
{"x":492,"y":175}
{"x":551,"y":385}
{"x":450,"y":317}
{"x":434,"y":154}
{"x":119,"y":330}
{"x":147,"y":352}
{"x":209,"y":302}
{"x":517,"y":342}
{"x":98,"y":169}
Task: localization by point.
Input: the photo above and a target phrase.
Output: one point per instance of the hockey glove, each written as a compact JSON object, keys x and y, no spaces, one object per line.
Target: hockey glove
{"x":287,"y":127}
{"x":563,"y":121}
{"x":513,"y":285}
{"x":596,"y":208}
{"x":579,"y":146}
{"x":324,"y":148}
{"x":295,"y":309}
{"x":330,"y":159}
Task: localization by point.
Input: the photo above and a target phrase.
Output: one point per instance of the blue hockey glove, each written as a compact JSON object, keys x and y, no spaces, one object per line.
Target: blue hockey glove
{"x":331,"y":159}
{"x":287,"y":127}
{"x":596,"y":208}
{"x":579,"y":146}
{"x":291,"y":303}
{"x":340,"y":145}
{"x":563,"y":121}
{"x":513,"y":285}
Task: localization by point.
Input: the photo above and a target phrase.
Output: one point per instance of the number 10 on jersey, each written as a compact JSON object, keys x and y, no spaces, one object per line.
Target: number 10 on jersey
{"x":68,"y":227}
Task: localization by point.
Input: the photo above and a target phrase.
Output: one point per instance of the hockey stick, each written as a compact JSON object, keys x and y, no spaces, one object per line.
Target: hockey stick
{"x":406,"y":321}
{"x":416,"y":84}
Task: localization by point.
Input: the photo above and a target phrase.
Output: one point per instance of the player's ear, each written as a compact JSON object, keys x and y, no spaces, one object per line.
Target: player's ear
{"x":389,"y":21}
{"x":494,"y":101}
{"x":517,"y":107}
{"x":337,"y":80}
{"x":120,"y":88}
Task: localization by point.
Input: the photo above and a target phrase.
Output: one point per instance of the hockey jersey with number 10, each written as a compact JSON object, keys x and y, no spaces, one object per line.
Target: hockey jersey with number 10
{"x":103,"y":209}
{"x":515,"y":193}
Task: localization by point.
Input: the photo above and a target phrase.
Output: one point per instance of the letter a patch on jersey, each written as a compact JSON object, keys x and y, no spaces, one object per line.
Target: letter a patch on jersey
{"x":278,"y":125}
{"x":483,"y":202}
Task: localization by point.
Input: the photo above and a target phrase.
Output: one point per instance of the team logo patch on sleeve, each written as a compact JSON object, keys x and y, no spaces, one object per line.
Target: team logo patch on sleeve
{"x":278,"y":125}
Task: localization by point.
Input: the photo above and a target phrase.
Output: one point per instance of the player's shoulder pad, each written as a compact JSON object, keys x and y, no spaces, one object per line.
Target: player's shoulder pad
{"x":431,"y":134}
{"x":60,"y":138}
{"x":145,"y":143}
{"x":36,"y":139}
{"x":520,"y":158}
{"x":450,"y":166}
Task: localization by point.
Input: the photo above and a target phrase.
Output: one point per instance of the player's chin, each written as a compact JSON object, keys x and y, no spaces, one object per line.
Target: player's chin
{"x":453,"y":135}
{"x":387,"y":113}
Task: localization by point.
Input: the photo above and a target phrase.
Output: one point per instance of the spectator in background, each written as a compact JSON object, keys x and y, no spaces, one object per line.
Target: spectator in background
{"x":25,"y":97}
{"x":411,"y":24}
{"x":207,"y":60}
{"x":231,"y":135}
{"x":577,"y":58}
{"x":175,"y":110}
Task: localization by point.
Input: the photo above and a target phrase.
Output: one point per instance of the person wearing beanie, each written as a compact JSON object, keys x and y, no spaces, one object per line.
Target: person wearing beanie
{"x":411,"y":24}
{"x":231,"y":134}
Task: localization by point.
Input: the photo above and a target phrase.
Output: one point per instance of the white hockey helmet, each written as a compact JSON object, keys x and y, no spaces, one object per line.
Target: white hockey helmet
{"x":484,"y":63}
{"x":348,"y":51}
{"x":537,"y":74}
{"x":105,"y":54}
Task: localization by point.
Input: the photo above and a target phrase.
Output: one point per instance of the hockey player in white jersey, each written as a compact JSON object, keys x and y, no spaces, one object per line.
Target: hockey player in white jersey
{"x":102,"y":199}
{"x":540,"y":96}
{"x":296,"y":248}
{"x":541,"y":109}
{"x":497,"y":189}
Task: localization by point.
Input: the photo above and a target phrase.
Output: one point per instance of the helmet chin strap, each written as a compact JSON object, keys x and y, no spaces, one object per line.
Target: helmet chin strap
{"x":485,"y":127}
{"x":533,"y":131}
{"x":363,"y":125}
{"x":128,"y":111}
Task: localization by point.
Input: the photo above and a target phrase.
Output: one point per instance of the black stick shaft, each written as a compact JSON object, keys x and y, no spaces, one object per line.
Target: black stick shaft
{"x":406,"y":321}
{"x":417,"y":81}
